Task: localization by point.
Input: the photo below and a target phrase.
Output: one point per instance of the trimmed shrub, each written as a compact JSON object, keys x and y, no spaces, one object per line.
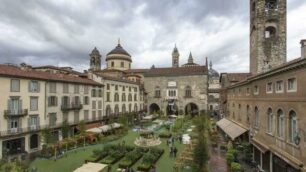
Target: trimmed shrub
{"x":236,"y":167}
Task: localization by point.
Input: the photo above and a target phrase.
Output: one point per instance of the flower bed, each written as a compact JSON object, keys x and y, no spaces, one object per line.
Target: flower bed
{"x":150,"y":158}
{"x":113,"y":157}
{"x":131,"y":158}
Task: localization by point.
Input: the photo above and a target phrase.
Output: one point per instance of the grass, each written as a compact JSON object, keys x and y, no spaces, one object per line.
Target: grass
{"x":76,"y":159}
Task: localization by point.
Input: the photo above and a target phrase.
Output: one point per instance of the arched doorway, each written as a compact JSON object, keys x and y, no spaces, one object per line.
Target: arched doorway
{"x":192,"y":109}
{"x":34,"y":141}
{"x":154,"y":108}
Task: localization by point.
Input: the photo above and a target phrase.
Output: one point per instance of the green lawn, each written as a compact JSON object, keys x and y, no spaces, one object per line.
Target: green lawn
{"x":76,"y":159}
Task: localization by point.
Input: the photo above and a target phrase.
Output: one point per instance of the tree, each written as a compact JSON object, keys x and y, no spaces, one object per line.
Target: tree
{"x":65,"y":129}
{"x":46,"y":133}
{"x":82,"y":127}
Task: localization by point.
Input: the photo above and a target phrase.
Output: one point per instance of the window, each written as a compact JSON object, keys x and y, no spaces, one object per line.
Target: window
{"x":52,"y":87}
{"x":86,"y":115}
{"x":100,"y":114}
{"x":256,"y":117}
{"x":123,"y":98}
{"x":279,"y":87}
{"x":33,"y":122}
{"x":108,"y":96}
{"x":116,"y":97}
{"x":65,"y":88}
{"x":135,"y":97}
{"x":76,"y":89}
{"x":65,"y":101}
{"x":93,"y":113}
{"x":112,"y":64}
{"x":292,"y":85}
{"x":280,"y":123}
{"x":99,"y":104}
{"x":256,"y":90}
{"x":116,"y":87}
{"x":93,"y":93}
{"x":107,"y":86}
{"x":269,"y":87}
{"x":130,"y":89}
{"x":65,"y":116}
{"x":248,"y":113}
{"x":52,"y":101}
{"x":94,"y":105}
{"x":86,"y":100}
{"x":122,"y":64}
{"x":172,"y":93}
{"x":293,"y":126}
{"x":13,"y":125}
{"x":270,"y":32}
{"x":34,"y":86}
{"x":188,"y":91}
{"x":33,"y":103}
{"x":123,"y":88}
{"x":52,"y":119}
{"x":100,"y":93}
{"x":130,"y":97}
{"x":270,"y":121}
{"x":157,"y":91}
{"x":247,"y":91}
{"x":135,"y":89}
{"x":15,"y":85}
{"x":86,"y":89}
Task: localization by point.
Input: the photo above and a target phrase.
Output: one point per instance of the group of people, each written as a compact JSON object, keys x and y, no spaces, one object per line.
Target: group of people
{"x":173,"y":149}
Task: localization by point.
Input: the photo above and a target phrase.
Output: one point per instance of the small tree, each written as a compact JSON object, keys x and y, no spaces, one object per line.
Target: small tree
{"x":65,"y":129}
{"x":46,"y":134}
{"x":82,"y":127}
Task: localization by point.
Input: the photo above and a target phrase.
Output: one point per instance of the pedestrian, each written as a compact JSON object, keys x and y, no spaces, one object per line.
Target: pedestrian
{"x":171,"y":151}
{"x":181,"y":139}
{"x":175,"y":151}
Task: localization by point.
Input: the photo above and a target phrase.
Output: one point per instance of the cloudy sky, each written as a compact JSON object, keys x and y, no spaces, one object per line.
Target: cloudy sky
{"x":62,"y":33}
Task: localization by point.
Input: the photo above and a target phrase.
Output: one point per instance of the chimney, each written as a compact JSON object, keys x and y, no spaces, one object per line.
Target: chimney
{"x":303,"y":48}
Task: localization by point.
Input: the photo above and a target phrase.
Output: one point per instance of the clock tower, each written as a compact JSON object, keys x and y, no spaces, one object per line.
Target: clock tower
{"x":267,"y":34}
{"x":175,"y":57}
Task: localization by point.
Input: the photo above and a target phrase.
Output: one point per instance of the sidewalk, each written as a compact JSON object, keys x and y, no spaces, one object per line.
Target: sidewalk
{"x":217,"y":162}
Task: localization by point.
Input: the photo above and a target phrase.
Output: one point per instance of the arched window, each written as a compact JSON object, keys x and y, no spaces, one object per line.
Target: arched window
{"x":188,"y":91}
{"x":116,"y":110}
{"x":239,"y":111}
{"x":123,"y":97}
{"x":123,"y":108}
{"x":256,"y":111}
{"x":130,"y":97}
{"x":130,"y":107}
{"x":135,"y":107}
{"x":280,"y":123}
{"x":116,"y":97}
{"x":157,"y":92}
{"x":135,"y":97}
{"x":270,"y":32}
{"x":293,"y":126}
{"x":270,"y":120}
{"x":248,"y":113}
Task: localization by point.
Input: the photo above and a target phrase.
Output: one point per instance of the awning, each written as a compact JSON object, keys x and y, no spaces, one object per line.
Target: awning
{"x":231,"y":129}
{"x":296,"y":163}
{"x":94,"y":130}
{"x":259,"y":145}
{"x":105,"y":128}
{"x":115,"y":125}
{"x":92,"y":167}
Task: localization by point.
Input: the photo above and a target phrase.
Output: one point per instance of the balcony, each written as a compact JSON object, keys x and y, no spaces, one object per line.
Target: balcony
{"x":72,"y":106}
{"x":15,"y":113}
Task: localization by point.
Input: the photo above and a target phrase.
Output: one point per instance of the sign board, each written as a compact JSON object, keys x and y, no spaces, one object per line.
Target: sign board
{"x":171,"y":84}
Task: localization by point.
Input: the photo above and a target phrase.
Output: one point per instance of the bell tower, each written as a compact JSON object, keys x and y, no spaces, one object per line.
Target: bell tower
{"x":175,"y":57}
{"x":95,"y":60}
{"x":268,"y":34}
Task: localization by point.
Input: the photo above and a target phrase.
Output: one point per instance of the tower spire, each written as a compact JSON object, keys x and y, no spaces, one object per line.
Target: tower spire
{"x":210,"y":64}
{"x":190,"y":58}
{"x":119,"y":41}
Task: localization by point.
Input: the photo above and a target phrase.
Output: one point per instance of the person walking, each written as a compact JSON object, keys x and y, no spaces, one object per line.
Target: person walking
{"x":175,"y":151}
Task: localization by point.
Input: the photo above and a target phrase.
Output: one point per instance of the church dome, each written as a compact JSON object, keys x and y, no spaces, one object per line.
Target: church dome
{"x":212,"y":72}
{"x":119,"y":53}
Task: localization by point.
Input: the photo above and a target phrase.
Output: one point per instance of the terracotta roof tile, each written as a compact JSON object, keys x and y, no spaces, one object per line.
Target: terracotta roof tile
{"x":237,"y":77}
{"x":14,"y":71}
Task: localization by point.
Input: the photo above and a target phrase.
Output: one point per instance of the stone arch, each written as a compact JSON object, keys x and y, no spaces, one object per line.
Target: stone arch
{"x":192,"y":109}
{"x":154,"y":108}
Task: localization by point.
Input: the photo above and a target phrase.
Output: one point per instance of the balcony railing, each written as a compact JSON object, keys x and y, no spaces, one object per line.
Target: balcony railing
{"x":15,"y":113}
{"x":72,"y":106}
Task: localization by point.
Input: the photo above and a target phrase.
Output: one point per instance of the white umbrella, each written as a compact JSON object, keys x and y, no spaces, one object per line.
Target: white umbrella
{"x":94,"y":130}
{"x":105,"y":128}
{"x":116,"y":125}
